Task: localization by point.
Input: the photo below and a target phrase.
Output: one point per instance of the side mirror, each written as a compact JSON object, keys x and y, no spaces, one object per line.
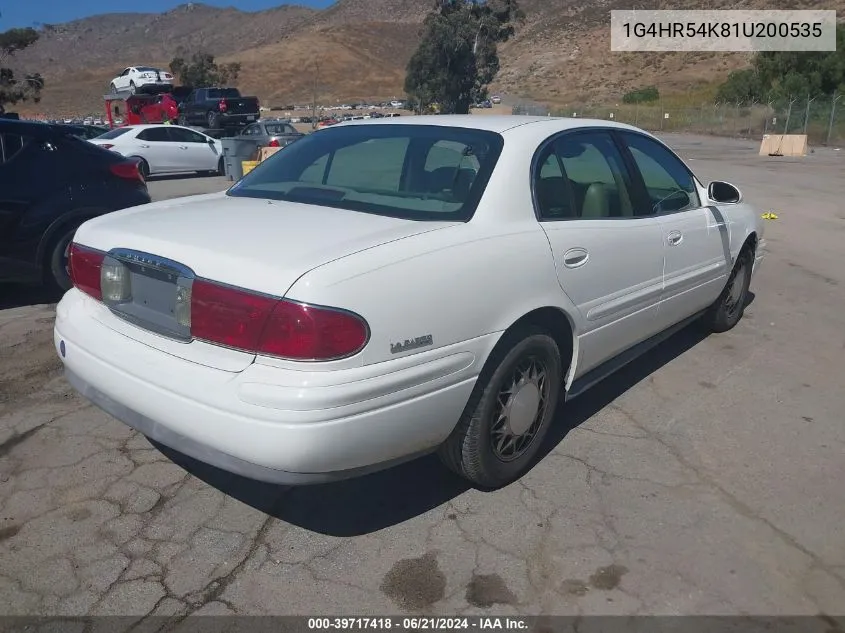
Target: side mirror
{"x":723,"y":192}
{"x":210,"y":142}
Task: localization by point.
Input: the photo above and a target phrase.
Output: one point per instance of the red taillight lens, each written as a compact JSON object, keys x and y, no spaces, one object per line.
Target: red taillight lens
{"x":263,"y":325}
{"x":128,"y":171}
{"x":228,"y":316}
{"x":84,"y":268}
{"x":222,"y":106}
{"x":274,"y":143}
{"x":303,"y":332}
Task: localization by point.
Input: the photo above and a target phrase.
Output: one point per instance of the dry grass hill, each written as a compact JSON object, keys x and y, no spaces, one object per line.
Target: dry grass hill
{"x":358,"y":49}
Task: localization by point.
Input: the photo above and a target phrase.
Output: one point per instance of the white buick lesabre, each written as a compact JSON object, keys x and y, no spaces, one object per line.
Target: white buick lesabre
{"x":384,"y":289}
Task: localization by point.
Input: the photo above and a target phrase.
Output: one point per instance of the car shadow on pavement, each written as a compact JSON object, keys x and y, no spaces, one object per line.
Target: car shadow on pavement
{"x":21,"y":295}
{"x":373,"y":502}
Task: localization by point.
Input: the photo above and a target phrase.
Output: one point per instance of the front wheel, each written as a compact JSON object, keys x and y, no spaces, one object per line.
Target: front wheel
{"x":509,"y":413}
{"x":132,"y":88}
{"x":728,"y":309}
{"x":113,"y":89}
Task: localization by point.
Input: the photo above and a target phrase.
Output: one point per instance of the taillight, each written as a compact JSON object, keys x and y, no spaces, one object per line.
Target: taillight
{"x":107,"y":145}
{"x":264,"y":325}
{"x":84,"y":267}
{"x":127,"y":170}
{"x":274,"y":143}
{"x":222,"y":106}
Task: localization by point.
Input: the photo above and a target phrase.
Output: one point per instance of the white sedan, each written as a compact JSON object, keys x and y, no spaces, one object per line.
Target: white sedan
{"x":381,"y":290}
{"x":165,"y":148}
{"x":137,"y":79}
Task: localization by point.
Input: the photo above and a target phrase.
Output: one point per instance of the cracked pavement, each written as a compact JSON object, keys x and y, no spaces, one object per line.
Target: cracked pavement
{"x":706,"y":478}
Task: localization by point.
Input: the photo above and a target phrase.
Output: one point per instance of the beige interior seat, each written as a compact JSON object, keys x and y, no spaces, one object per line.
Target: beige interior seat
{"x":596,"y":202}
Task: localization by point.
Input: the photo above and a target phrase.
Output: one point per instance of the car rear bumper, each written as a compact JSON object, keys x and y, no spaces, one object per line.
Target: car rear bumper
{"x":262,"y":423}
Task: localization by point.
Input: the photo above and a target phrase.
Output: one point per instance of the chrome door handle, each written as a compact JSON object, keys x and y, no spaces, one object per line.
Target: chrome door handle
{"x":145,"y":146}
{"x":674,"y":238}
{"x":183,"y":147}
{"x":575,"y":257}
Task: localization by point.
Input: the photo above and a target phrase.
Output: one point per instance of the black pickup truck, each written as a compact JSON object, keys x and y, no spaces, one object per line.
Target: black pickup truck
{"x":216,"y":108}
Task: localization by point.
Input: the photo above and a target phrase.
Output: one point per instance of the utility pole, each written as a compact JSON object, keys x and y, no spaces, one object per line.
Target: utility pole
{"x":836,"y":98}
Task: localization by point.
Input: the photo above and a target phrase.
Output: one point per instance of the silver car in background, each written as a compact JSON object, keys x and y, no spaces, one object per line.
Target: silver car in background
{"x":270,"y":133}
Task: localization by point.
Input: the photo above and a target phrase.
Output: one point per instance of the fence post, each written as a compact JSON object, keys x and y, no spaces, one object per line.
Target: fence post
{"x":788,"y":115}
{"x":836,"y":98}
{"x":751,"y":119}
{"x":807,"y":112}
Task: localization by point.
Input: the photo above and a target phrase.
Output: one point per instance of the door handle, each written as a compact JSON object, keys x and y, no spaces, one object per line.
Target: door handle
{"x":674,"y":238}
{"x":183,"y":147}
{"x":145,"y":146}
{"x":575,"y":257}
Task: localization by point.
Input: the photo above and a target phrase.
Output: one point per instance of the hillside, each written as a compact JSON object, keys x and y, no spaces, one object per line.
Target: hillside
{"x":561,"y":53}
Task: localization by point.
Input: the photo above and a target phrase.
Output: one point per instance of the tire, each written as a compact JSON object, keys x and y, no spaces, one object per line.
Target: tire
{"x":56,"y":276}
{"x":132,"y":89}
{"x":182,"y":120}
{"x":143,"y":167}
{"x":728,"y":309}
{"x":221,"y":168}
{"x":477,"y":448}
{"x":212,"y":118}
{"x":113,"y":89}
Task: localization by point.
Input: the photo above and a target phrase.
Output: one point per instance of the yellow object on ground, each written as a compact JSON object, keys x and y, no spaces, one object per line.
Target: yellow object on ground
{"x":769,"y":216}
{"x":248,"y":165}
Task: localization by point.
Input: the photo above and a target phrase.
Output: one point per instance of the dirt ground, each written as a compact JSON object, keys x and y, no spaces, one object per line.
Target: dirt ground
{"x":706,"y":478}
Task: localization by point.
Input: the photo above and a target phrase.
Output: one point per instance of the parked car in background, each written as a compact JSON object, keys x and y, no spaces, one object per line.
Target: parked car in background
{"x":87,"y":132}
{"x":51,"y":181}
{"x":142,"y":79}
{"x":496,"y":99}
{"x":270,"y":133}
{"x":380,"y":290}
{"x":218,"y":108}
{"x":165,"y":148}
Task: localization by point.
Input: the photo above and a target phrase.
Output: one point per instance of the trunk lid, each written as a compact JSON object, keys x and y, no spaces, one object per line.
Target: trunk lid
{"x":256,"y":244}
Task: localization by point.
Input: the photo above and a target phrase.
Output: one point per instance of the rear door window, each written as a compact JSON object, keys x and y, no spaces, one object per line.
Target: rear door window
{"x":154,"y":135}
{"x":11,"y":145}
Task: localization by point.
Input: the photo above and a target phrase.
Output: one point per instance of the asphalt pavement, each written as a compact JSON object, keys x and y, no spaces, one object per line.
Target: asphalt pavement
{"x":706,"y":478}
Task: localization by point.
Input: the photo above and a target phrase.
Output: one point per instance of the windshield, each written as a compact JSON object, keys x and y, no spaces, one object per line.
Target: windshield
{"x":223,"y":93}
{"x":114,"y":133}
{"x":415,"y":172}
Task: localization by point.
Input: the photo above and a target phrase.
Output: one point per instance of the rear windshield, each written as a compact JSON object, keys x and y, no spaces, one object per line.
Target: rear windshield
{"x":415,"y":172}
{"x":114,"y":133}
{"x":223,"y":93}
{"x":276,"y":128}
{"x":147,"y":69}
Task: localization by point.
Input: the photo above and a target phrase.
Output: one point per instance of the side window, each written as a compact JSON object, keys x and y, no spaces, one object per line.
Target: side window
{"x":597,"y":176}
{"x":289,"y":129}
{"x":154,"y":134}
{"x":669,"y":184}
{"x":181,"y":135}
{"x":450,"y":169}
{"x":374,"y":164}
{"x":250,"y":130}
{"x":11,"y":145}
{"x":551,"y":189}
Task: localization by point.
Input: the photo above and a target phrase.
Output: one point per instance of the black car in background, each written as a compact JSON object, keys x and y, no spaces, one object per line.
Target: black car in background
{"x":51,"y":181}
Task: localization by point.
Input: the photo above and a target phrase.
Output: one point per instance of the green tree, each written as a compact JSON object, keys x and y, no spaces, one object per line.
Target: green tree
{"x":457,"y":58}
{"x":781,"y":75}
{"x":201,"y":71}
{"x":742,"y":86}
{"x":14,"y":89}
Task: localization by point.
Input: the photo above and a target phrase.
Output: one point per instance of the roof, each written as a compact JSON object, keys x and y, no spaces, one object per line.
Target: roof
{"x":492,"y":123}
{"x":38,"y":128}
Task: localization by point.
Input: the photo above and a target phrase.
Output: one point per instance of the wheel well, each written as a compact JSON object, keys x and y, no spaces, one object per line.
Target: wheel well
{"x":750,"y":243}
{"x":55,"y":231}
{"x":556,"y":323}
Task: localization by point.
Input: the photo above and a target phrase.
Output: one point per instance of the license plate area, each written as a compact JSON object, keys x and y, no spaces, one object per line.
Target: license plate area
{"x":156,"y":288}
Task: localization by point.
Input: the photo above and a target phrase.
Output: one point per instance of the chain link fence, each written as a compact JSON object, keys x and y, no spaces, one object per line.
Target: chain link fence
{"x":821,"y":118}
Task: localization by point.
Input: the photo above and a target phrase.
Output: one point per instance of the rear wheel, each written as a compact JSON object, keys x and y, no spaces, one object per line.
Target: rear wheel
{"x":212,"y":119}
{"x":509,"y":413}
{"x":56,"y":275}
{"x":113,"y":89}
{"x":182,"y":120}
{"x":728,"y":309}
{"x":143,"y":167}
{"x":221,"y":167}
{"x":132,"y":88}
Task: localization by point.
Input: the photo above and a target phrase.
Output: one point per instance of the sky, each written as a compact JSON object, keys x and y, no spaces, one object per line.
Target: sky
{"x":17,"y":13}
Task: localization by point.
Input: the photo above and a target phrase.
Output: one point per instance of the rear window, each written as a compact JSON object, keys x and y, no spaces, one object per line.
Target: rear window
{"x":415,"y":172}
{"x":277,"y":128}
{"x":147,"y":69}
{"x":223,"y":93}
{"x":118,"y":131}
{"x":11,"y":145}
